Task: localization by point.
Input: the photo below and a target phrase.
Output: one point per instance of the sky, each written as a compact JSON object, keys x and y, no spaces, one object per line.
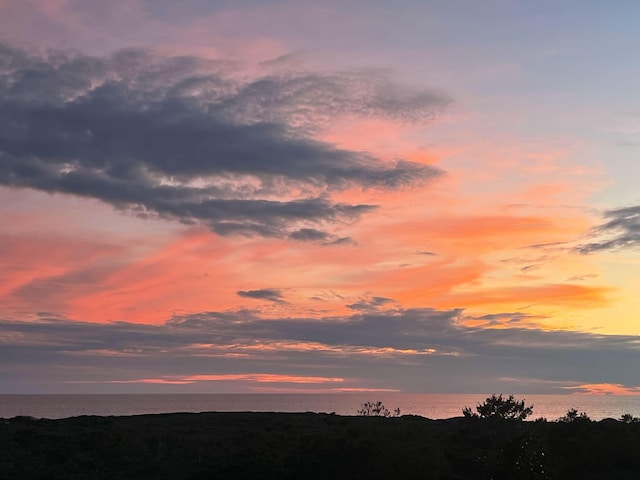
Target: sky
{"x":295,"y":196}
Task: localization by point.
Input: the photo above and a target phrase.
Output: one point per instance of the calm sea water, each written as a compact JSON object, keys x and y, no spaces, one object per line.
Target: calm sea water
{"x":427,"y":405}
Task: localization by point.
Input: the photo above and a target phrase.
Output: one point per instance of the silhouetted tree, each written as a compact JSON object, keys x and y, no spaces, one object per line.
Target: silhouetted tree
{"x":574,"y":415}
{"x":497,"y":406}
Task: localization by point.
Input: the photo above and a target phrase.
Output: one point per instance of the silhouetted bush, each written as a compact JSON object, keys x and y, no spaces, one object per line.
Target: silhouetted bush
{"x":377,"y":409}
{"x":574,"y":415}
{"x":628,"y":418}
{"x":497,"y":406}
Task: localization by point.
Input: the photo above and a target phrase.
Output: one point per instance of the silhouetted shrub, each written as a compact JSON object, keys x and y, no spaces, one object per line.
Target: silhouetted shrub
{"x":497,"y":406}
{"x":574,"y":415}
{"x":377,"y":409}
{"x":628,"y":418}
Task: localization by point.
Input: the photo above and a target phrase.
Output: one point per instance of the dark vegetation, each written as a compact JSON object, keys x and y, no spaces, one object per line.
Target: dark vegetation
{"x":496,"y":406}
{"x":318,"y":446}
{"x":377,"y":409}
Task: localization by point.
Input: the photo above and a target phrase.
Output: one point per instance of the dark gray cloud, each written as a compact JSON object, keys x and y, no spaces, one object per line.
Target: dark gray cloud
{"x":181,"y":139}
{"x":409,"y":329}
{"x":502,"y":319}
{"x":550,"y":245}
{"x":370,"y":304}
{"x":314,"y":235}
{"x":341,"y":241}
{"x":414,"y":350}
{"x":310,"y":235}
{"x":270,"y":294}
{"x":620,"y":231}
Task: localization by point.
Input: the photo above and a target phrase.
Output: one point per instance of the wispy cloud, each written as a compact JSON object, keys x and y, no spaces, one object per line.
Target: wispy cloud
{"x":228,"y":377}
{"x":604,"y":389}
{"x":270,"y":294}
{"x":370,"y":304}
{"x":620,"y":231}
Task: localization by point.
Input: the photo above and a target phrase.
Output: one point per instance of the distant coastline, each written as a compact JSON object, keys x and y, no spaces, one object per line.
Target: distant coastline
{"x":436,"y":406}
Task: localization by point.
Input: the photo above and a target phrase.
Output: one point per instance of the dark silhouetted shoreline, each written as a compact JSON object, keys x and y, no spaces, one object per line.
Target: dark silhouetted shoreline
{"x":314,"y":446}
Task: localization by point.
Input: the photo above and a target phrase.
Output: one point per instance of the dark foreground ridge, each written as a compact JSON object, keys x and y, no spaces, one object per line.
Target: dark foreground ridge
{"x":314,"y":446}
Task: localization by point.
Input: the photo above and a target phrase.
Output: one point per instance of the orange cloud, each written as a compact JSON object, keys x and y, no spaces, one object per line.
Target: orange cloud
{"x":314,"y":389}
{"x":551,"y":294}
{"x":30,"y":260}
{"x":604,"y":389}
{"x":303,"y":346}
{"x":116,"y":279}
{"x":424,"y":284}
{"x":476,"y":234}
{"x":263,"y":378}
{"x":192,"y":273}
{"x":225,"y":377}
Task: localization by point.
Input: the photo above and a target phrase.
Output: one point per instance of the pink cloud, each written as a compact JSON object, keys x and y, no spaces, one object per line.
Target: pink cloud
{"x":604,"y":389}
{"x":229,"y":377}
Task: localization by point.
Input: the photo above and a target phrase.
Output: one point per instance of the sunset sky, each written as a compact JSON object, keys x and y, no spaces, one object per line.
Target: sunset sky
{"x":338,"y":196}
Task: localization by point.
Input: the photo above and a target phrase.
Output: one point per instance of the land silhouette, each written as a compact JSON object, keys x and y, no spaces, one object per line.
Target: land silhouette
{"x":371,"y":445}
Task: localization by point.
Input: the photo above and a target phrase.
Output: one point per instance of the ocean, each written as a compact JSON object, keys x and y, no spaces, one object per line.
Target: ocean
{"x":427,"y":405}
